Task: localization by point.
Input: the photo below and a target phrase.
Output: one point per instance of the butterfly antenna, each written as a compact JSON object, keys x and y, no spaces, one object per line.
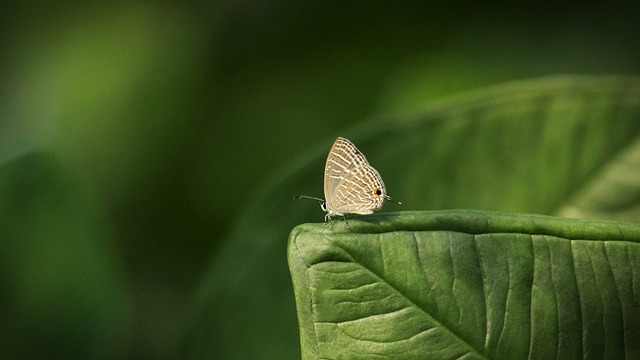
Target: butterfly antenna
{"x":395,"y":201}
{"x":308,"y":197}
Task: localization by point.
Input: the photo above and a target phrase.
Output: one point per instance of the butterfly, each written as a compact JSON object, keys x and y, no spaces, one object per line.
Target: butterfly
{"x":351,"y":185}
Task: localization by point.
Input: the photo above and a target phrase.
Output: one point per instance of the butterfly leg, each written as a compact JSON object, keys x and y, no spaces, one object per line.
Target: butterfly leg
{"x":346,"y":222}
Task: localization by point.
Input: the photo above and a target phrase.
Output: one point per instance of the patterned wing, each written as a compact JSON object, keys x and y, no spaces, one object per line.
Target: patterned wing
{"x":361,"y":191}
{"x":343,"y":158}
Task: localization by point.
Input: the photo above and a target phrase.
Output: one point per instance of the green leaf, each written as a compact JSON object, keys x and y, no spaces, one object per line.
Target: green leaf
{"x":530,"y":147}
{"x":467,"y":284}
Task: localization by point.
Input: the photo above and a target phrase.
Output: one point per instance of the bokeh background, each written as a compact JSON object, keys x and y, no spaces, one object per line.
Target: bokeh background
{"x":148,"y":127}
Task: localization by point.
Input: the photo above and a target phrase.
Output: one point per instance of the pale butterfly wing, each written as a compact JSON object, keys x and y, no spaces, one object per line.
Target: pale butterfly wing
{"x":343,"y":157}
{"x":351,"y":185}
{"x":361,"y":191}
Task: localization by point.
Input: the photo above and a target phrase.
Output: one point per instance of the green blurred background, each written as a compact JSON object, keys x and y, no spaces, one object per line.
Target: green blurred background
{"x":147,"y":127}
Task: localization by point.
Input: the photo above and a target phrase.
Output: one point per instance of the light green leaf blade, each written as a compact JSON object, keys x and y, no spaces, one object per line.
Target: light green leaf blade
{"x":613,"y":192}
{"x":467,"y":284}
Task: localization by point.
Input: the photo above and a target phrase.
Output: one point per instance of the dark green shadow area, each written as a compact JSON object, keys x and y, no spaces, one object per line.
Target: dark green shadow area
{"x":63,"y":289}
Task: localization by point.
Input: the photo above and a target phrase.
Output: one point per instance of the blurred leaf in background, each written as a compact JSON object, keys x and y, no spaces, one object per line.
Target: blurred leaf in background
{"x":170,"y":114}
